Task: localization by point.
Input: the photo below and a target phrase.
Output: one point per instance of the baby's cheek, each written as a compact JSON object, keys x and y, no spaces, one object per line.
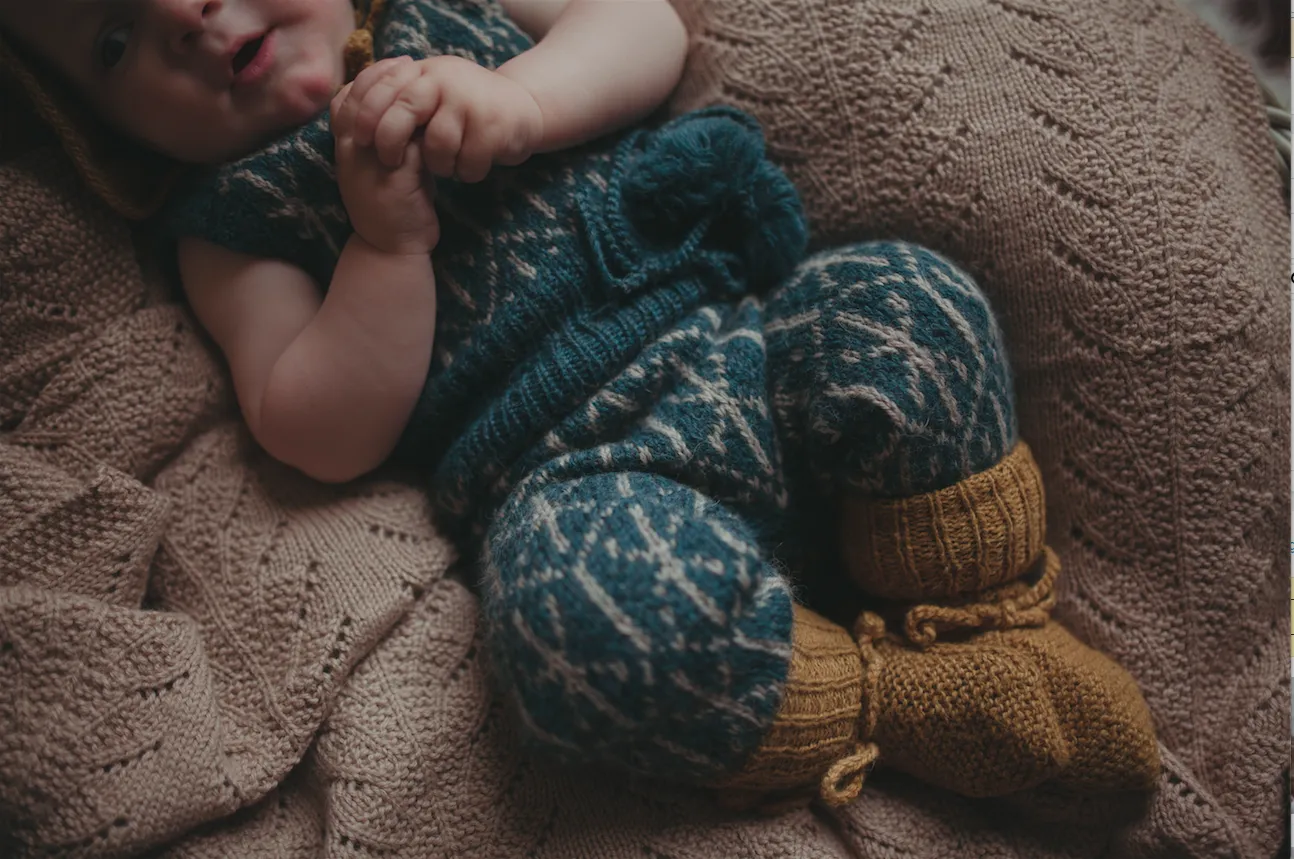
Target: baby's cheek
{"x":310,"y":87}
{"x":183,"y":128}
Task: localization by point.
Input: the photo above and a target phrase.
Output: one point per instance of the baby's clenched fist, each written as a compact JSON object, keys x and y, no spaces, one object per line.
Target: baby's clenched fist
{"x":390,"y":202}
{"x":473,"y":118}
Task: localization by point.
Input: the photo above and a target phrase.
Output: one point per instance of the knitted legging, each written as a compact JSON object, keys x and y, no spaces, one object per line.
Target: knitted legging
{"x":632,"y":580}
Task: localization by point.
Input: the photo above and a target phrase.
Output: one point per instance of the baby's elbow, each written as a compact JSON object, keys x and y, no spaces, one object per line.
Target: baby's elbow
{"x":326,"y":470}
{"x":290,"y":433}
{"x":316,"y":460}
{"x":294,"y":449}
{"x":680,"y":39}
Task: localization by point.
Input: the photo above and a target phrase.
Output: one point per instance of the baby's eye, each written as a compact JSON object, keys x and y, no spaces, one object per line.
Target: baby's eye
{"x":112,"y":46}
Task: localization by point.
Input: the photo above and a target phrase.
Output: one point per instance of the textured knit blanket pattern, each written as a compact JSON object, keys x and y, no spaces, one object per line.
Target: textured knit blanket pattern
{"x":205,"y":655}
{"x":1103,"y":170}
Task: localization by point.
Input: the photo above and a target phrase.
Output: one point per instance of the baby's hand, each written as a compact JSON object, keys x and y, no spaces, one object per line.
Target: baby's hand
{"x":475,"y":118}
{"x":390,"y":207}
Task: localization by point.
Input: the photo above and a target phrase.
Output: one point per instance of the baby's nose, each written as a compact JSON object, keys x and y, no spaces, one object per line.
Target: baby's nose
{"x":185,"y":20}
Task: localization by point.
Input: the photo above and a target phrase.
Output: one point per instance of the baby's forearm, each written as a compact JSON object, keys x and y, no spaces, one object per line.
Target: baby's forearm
{"x":338,"y":399}
{"x":603,"y":65}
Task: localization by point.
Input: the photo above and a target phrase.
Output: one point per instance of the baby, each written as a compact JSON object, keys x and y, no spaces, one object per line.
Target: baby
{"x":616,"y":424}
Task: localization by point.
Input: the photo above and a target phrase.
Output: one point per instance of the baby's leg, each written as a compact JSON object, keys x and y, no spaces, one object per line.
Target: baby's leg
{"x":636,"y":613}
{"x":638,"y":621}
{"x":893,"y":396}
{"x":890,"y":383}
{"x":889,"y":372}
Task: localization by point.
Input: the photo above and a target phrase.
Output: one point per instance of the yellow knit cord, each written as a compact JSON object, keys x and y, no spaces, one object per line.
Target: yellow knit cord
{"x":1008,"y":607}
{"x":359,"y":46}
{"x":844,"y":781}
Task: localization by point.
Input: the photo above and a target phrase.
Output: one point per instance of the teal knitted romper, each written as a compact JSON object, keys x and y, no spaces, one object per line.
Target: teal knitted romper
{"x":641,"y":395}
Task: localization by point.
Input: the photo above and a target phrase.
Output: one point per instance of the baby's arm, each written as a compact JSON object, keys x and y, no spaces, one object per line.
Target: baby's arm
{"x":599,"y":65}
{"x":326,"y":385}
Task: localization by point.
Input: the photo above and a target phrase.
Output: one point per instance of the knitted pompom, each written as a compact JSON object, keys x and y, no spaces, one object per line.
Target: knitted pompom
{"x":692,"y":164}
{"x":710,"y":164}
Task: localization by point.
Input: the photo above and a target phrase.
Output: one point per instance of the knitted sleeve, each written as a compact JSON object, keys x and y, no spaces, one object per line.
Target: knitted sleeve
{"x":281,"y":202}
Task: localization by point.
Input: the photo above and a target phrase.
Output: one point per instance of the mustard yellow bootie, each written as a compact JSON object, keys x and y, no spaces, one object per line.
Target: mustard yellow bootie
{"x":816,"y":727}
{"x":1007,"y":701}
{"x":978,"y":689}
{"x":969,"y":685}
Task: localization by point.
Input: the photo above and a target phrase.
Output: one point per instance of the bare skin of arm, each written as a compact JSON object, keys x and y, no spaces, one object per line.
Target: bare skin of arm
{"x":327,"y":383}
{"x":600,"y":65}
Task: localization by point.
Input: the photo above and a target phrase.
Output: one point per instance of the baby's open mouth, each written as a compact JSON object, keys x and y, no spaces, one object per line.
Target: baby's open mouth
{"x":253,"y":60}
{"x":247,"y":53}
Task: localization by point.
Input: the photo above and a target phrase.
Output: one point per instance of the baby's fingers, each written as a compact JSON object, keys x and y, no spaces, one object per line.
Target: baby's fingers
{"x":414,"y":106}
{"x":409,"y":174}
{"x":377,"y":100}
{"x":484,"y":140}
{"x":335,"y":107}
{"x":343,"y":117}
{"x":441,"y":143}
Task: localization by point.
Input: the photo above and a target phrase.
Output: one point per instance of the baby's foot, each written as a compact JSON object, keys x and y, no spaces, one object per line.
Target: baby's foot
{"x":977,"y":688}
{"x":996,"y":712}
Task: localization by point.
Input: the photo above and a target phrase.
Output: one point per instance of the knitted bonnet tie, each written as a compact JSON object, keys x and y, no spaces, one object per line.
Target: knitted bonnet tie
{"x":132,"y":179}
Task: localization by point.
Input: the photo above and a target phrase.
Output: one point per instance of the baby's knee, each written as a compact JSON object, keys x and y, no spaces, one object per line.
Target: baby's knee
{"x":894,"y":281}
{"x":618,"y":607}
{"x":629,"y":556}
{"x":888,"y":365}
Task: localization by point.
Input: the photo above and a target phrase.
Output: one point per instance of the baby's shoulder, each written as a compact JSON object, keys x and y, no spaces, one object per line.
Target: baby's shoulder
{"x":280,"y":202}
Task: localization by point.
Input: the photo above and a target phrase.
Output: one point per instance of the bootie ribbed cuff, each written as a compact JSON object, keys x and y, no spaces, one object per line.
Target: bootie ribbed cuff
{"x":817,"y":722}
{"x":976,"y":534}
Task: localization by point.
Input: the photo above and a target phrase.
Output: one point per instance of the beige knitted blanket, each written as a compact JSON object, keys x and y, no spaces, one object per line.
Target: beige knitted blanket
{"x":204,"y":655}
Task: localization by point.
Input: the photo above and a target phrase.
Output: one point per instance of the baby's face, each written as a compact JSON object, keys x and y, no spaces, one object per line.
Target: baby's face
{"x":203,"y":82}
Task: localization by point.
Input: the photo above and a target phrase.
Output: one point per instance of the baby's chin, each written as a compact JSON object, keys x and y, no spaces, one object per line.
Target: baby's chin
{"x":294,"y":107}
{"x":307,"y":95}
{"x":307,"y":91}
